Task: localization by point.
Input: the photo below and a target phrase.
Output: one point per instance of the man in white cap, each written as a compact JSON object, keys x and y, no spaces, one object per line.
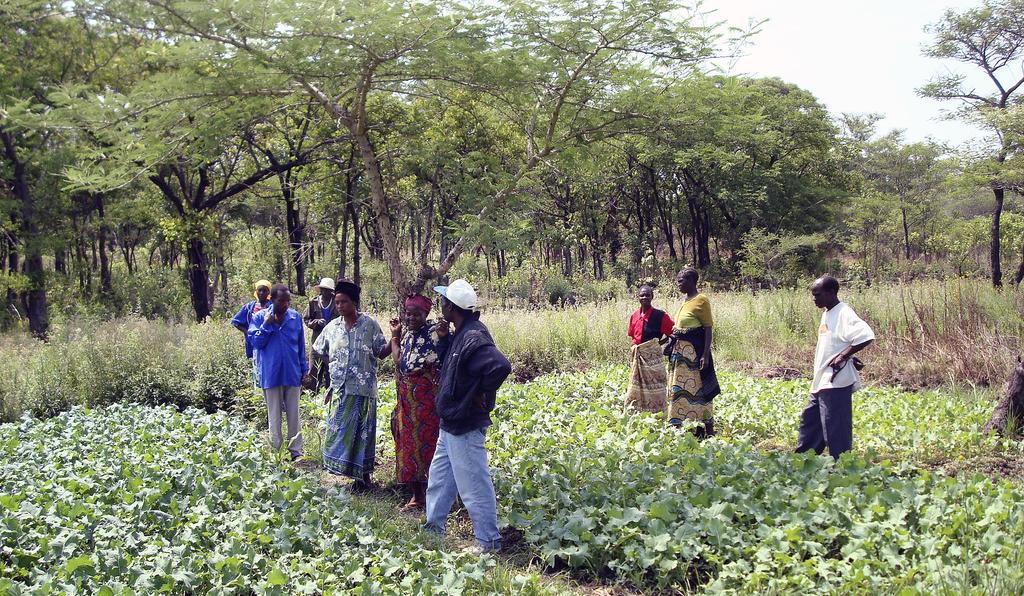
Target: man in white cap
{"x":472,"y":371}
{"x":319,"y":312}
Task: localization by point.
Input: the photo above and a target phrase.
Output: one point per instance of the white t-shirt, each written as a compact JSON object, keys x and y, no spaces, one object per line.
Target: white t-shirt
{"x":840,"y":328}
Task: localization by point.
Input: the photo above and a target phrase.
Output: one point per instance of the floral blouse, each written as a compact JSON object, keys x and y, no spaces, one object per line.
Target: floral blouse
{"x":352,"y":354}
{"x":418,"y":349}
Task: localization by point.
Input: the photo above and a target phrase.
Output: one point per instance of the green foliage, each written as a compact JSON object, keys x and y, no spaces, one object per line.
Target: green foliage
{"x":92,"y":362}
{"x":770,"y":258}
{"x":630,"y":498}
{"x":130,"y":499}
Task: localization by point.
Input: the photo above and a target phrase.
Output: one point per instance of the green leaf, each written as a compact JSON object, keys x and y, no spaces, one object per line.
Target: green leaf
{"x":277,"y":577}
{"x":78,"y":562}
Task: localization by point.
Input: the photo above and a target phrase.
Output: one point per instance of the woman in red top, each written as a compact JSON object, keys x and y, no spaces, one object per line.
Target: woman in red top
{"x":648,"y":327}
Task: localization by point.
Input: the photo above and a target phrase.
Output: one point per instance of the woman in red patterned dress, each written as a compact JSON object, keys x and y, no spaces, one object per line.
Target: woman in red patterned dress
{"x":414,"y":423}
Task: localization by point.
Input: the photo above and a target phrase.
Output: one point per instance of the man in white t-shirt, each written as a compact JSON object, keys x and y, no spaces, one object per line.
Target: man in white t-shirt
{"x":827,"y":421}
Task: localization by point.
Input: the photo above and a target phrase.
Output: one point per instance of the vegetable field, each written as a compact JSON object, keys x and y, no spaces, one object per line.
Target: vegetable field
{"x":135,"y":499}
{"x":628,"y":498}
{"x":132,"y":499}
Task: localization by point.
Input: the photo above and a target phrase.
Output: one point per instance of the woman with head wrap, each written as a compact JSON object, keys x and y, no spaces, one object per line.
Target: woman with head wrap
{"x":245,"y":314}
{"x":693,"y":383}
{"x":414,"y":422}
{"x":352,"y":344}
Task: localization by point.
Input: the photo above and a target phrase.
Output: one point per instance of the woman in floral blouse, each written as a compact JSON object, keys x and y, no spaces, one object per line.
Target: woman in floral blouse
{"x":414,"y":422}
{"x":352,"y":344}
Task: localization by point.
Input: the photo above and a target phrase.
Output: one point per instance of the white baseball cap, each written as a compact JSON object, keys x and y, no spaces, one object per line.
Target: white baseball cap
{"x":326,"y":283}
{"x":459,"y":293}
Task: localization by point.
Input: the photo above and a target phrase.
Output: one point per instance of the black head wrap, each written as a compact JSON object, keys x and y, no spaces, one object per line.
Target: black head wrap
{"x":349,"y":289}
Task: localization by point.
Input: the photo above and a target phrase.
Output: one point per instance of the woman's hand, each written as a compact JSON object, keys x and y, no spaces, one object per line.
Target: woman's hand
{"x":441,"y":329}
{"x":396,"y":329}
{"x":704,"y":362}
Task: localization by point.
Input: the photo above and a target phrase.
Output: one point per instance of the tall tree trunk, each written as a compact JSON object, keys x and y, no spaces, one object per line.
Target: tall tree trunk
{"x":997,"y":211}
{"x":35,"y":297}
{"x":60,"y":263}
{"x":383,"y":219}
{"x":199,"y":278}
{"x":343,"y":249}
{"x":701,"y":235}
{"x":12,"y":266}
{"x":355,"y":245}
{"x":906,"y":233}
{"x":663,"y":217}
{"x":295,"y":231}
{"x":106,"y":282}
{"x":222,"y":269}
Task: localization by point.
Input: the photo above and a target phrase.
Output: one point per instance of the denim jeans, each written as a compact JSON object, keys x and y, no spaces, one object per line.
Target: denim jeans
{"x":459,"y":468}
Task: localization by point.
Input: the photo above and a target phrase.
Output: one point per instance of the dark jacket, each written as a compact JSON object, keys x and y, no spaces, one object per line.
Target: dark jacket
{"x":314,"y":312}
{"x":471,"y":373}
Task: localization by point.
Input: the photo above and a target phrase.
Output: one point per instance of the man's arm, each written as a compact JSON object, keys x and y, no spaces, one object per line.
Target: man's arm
{"x":307,"y":315}
{"x":849,"y":352}
{"x":302,"y":350}
{"x":855,"y":330}
{"x":262,"y":328}
{"x":241,"y":319}
{"x":666,"y":327}
{"x":489,"y":365}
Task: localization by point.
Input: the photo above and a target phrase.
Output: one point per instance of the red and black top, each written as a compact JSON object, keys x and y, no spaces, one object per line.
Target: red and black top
{"x":645,"y":326}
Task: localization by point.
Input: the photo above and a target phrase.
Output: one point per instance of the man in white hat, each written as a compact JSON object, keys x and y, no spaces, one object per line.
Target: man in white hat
{"x":319,"y":312}
{"x":472,"y":371}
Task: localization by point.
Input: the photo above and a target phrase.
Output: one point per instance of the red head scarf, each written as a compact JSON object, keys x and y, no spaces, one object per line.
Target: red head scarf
{"x":421,"y":302}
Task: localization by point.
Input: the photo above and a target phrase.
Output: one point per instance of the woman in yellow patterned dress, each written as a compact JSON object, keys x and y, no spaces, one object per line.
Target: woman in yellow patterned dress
{"x":692,"y":380}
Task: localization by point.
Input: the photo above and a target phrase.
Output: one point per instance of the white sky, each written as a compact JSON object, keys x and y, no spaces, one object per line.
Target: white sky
{"x":855,"y":56}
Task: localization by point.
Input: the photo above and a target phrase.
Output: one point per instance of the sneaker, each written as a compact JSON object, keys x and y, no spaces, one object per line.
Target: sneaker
{"x":480,"y":550}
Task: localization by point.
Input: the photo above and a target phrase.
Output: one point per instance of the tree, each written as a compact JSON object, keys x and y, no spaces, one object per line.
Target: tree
{"x":196,"y":150}
{"x":909,"y":173}
{"x":991,"y":38}
{"x":765,"y":254}
{"x":43,"y":48}
{"x":549,"y":67}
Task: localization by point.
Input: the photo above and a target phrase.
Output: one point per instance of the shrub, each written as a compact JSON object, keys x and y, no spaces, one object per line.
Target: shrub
{"x":93,"y":362}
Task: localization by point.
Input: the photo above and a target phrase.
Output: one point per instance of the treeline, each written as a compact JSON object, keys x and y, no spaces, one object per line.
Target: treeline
{"x":227,"y":141}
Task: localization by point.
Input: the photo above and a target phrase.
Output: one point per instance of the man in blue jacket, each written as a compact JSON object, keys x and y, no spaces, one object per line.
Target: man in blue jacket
{"x":471,"y":373}
{"x":277,"y":336}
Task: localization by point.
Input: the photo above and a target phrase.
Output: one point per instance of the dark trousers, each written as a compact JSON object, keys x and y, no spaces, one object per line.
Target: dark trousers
{"x":827,"y":421}
{"x":321,"y":372}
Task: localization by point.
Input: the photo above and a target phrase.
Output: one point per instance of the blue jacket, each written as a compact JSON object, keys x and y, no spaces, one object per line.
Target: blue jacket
{"x":472,"y":372}
{"x":280,"y":349}
{"x":244,"y":317}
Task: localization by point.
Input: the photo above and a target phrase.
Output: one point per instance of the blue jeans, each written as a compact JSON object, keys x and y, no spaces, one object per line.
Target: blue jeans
{"x":459,"y":468}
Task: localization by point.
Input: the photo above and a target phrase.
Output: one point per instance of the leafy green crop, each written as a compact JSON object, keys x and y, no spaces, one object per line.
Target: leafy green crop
{"x":146,"y":500}
{"x":629,"y":497}
{"x":138,"y":499}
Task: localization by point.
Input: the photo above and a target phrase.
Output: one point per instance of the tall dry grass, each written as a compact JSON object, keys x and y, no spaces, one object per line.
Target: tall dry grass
{"x":952,"y":333}
{"x":956,"y":332}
